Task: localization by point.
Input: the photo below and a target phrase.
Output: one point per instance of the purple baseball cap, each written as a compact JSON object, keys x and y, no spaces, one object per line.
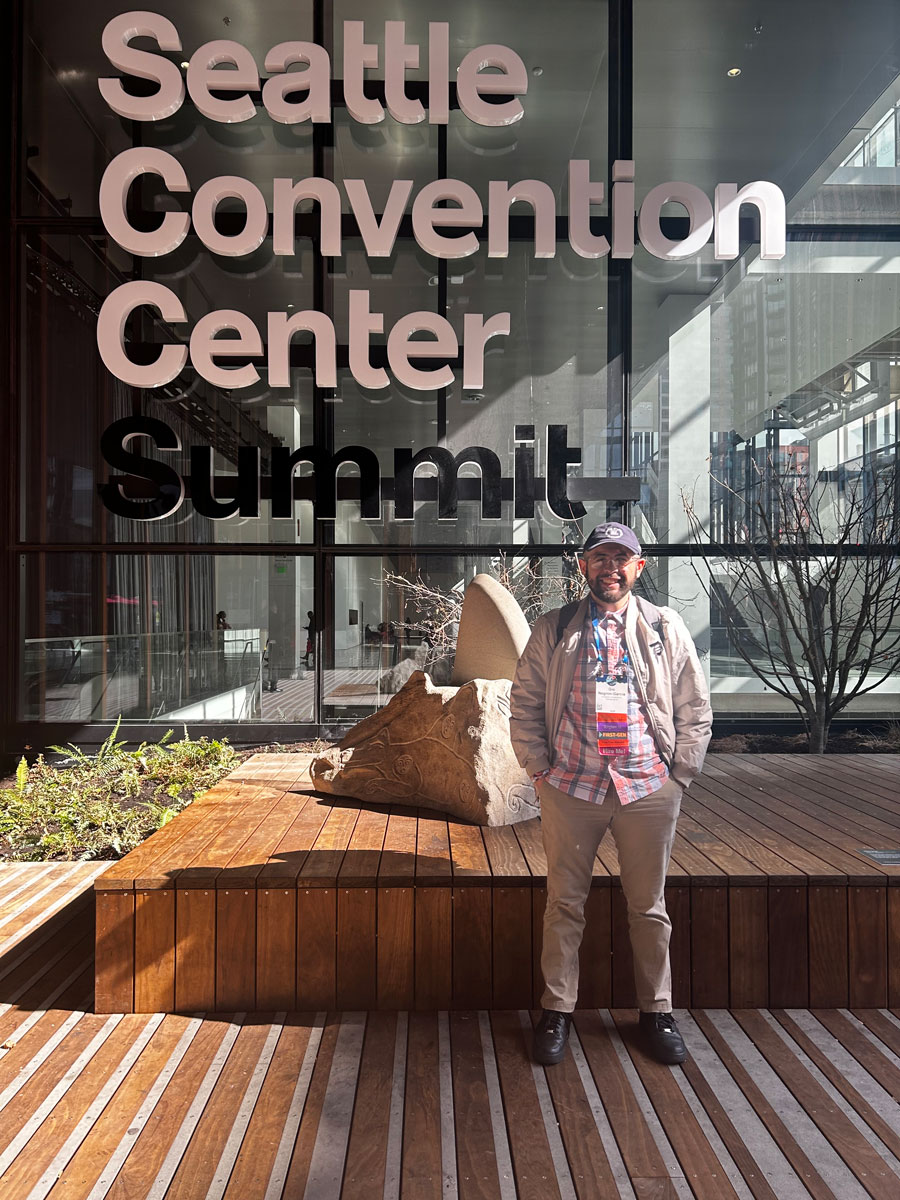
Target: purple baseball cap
{"x":612,"y":533}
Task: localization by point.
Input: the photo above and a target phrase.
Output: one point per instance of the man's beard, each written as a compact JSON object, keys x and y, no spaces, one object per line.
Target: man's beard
{"x":609,"y":595}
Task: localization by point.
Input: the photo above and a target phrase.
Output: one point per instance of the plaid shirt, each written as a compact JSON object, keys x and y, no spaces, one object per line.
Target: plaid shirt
{"x":579,"y":769}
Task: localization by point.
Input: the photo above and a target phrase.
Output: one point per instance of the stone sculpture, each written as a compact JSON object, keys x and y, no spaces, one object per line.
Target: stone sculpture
{"x":493,"y":632}
{"x":443,"y":748}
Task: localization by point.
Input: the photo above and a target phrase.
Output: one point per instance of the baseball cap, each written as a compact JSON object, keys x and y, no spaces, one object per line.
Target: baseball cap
{"x":615,"y":534}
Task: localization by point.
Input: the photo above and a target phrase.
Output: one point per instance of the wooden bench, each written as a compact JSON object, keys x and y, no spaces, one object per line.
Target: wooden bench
{"x":263,"y":896}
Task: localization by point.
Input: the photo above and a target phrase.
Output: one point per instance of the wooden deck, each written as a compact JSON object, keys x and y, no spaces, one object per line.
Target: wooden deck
{"x":771,"y":1104}
{"x":263,"y":896}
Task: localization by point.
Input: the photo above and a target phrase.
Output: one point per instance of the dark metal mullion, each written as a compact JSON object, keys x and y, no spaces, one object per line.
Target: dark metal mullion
{"x":323,"y":414}
{"x":442,"y":275}
{"x":619,"y":318}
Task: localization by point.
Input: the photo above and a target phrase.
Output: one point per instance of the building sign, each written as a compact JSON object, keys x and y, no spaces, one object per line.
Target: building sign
{"x":225,"y":346}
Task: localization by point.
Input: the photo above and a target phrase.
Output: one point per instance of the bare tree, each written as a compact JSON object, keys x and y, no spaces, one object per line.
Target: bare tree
{"x":435,"y":612}
{"x":804,"y":576}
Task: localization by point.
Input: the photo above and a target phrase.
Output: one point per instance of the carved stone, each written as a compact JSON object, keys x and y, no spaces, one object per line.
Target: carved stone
{"x":444,"y":748}
{"x":493,"y":632}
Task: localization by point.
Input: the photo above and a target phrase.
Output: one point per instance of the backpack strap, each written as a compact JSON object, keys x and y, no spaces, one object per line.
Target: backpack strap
{"x":565,"y":615}
{"x":652,"y":616}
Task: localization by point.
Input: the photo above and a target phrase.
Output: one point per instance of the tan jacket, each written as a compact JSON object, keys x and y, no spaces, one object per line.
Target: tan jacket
{"x":669,"y":678}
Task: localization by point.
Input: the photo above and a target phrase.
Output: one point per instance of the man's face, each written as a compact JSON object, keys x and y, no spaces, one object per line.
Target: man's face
{"x":610,"y":572}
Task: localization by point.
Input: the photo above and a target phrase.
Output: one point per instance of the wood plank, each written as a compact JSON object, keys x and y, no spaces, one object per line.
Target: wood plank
{"x":472,"y":947}
{"x":595,"y":953}
{"x":870,"y":1057}
{"x":433,"y":865}
{"x":247,"y":862}
{"x":422,"y":1170}
{"x":208,"y":863}
{"x":867,"y":924}
{"x":507,"y":862}
{"x":530,"y":839}
{"x":433,"y":948}
{"x":197,"y":1167}
{"x":316,"y":948}
{"x":356,"y":968}
{"x":532,"y":1161}
{"x":699,"y":806}
{"x":741,"y":1154}
{"x":697,"y":1159}
{"x":153,"y":1142}
{"x":468,"y":857}
{"x":397,"y":867}
{"x":323,"y":863}
{"x":236,"y":950}
{"x":287,"y":858}
{"x":678,"y":906}
{"x":787,"y":1143}
{"x":748,"y":950}
{"x":195,"y":950}
{"x":478,"y":1173}
{"x":709,"y":947}
{"x":254,"y":1163}
{"x":81,"y":1173}
{"x":778,"y":807}
{"x":276,"y":948}
{"x":367,"y":1147}
{"x":154,"y":951}
{"x":859,"y":1155}
{"x":876,"y":1122}
{"x":114,"y":950}
{"x":39,"y":1151}
{"x":829,"y":947}
{"x":588,"y":1164}
{"x":623,"y":990}
{"x":363,"y":857}
{"x":788,"y":947}
{"x":893,"y":930}
{"x":396,"y":948}
{"x":538,"y":907}
{"x":635,"y":1141}
{"x":298,"y":1172}
{"x":511,"y":947}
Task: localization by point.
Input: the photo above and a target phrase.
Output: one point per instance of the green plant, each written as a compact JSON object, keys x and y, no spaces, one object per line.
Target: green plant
{"x":103,"y":805}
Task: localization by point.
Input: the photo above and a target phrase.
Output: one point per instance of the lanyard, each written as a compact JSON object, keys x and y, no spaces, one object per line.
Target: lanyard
{"x":601,"y":647}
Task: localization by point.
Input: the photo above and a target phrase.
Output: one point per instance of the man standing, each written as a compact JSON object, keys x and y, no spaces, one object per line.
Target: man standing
{"x":611,"y":718}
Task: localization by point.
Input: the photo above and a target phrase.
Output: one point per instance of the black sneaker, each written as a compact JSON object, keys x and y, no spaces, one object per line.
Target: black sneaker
{"x":550,"y":1037}
{"x":664,"y":1041}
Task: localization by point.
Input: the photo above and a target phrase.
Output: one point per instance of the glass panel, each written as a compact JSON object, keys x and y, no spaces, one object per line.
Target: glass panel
{"x":71,"y":133}
{"x":400,"y":613}
{"x":166,"y":638}
{"x":69,"y":397}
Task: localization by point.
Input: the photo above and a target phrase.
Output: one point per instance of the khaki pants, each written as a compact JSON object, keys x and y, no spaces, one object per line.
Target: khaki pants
{"x":643,"y":831}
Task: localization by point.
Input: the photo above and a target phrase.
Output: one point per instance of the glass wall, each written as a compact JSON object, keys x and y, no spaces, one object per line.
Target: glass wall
{"x":282,"y":588}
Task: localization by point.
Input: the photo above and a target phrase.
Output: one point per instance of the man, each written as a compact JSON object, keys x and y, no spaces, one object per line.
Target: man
{"x":611,"y":718}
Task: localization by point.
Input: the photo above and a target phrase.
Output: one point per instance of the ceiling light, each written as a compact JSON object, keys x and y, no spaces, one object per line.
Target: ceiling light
{"x":185,"y":65}
{"x":537,"y":71}
{"x":733,"y":72}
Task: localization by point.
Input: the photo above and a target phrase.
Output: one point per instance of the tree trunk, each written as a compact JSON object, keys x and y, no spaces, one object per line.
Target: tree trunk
{"x":818,"y":733}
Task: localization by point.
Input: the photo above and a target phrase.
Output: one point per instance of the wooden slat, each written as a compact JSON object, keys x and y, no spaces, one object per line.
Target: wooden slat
{"x":698,"y":1161}
{"x":114,"y":986}
{"x":531,"y":1154}
{"x":195,"y":949}
{"x":829,"y":982}
{"x":422,"y":1175}
{"x":154,"y":951}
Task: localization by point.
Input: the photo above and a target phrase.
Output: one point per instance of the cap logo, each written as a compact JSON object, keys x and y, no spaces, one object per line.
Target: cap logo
{"x":611,"y":532}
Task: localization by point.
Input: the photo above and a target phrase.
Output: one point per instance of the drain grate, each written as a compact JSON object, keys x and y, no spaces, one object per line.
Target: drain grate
{"x":886,"y":858}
